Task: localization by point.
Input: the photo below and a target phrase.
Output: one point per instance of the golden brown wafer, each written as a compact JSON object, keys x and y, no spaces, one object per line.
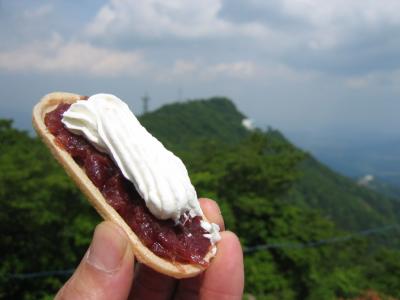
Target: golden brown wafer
{"x":78,"y":175}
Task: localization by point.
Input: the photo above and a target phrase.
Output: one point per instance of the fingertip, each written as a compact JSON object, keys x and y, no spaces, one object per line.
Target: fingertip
{"x":209,"y":204}
{"x":113,"y":229}
{"x":224,"y":278}
{"x":110,"y":226}
{"x":107,"y":268}
{"x":225,"y":275}
{"x":229,"y":247}
{"x":116,"y":232}
{"x":230,"y":239}
{"x":212,"y":212}
{"x":109,"y":247}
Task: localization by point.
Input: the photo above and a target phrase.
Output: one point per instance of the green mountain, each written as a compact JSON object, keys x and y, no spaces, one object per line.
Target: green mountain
{"x":339,"y":198}
{"x":216,"y":118}
{"x":302,"y":226}
{"x":336,"y":197}
{"x":308,"y":232}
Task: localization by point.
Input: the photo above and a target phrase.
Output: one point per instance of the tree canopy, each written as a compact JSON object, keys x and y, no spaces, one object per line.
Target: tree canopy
{"x":295,"y":217}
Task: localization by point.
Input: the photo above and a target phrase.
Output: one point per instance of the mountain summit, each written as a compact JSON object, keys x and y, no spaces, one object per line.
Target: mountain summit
{"x":350,"y":206}
{"x":179,"y":124}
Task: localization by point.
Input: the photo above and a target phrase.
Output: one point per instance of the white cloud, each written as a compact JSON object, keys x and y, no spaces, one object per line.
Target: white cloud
{"x":301,"y":34}
{"x":39,"y":12}
{"x":238,"y":69}
{"x":184,"y":67}
{"x":323,"y":24}
{"x":57,"y":55}
{"x":312,"y":35}
{"x":373,"y":79}
{"x":343,"y":12}
{"x":158,"y":18}
{"x":195,"y":70}
{"x":335,"y":22}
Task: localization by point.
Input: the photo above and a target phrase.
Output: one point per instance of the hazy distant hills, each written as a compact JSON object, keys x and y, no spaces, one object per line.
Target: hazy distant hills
{"x":337,"y":197}
{"x":380,"y":186}
{"x":348,"y":204}
{"x":357,"y":156}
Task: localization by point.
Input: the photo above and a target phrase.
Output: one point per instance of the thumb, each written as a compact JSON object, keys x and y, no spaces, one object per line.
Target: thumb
{"x":106,"y":271}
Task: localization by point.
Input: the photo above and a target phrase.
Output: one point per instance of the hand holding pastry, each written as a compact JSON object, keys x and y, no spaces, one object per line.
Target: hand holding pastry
{"x":107,"y":272}
{"x":130,"y":179}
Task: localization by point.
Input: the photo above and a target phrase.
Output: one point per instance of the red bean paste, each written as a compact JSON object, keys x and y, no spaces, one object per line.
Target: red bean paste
{"x":180,"y":243}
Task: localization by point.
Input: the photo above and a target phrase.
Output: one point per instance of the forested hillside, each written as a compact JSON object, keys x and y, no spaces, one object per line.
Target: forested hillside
{"x":305,"y":229}
{"x":337,"y":197}
{"x":178,"y":125}
{"x":383,"y":187}
{"x":45,"y":223}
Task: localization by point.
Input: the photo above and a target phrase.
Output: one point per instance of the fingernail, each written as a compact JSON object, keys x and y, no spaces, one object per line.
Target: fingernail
{"x":108,"y":247}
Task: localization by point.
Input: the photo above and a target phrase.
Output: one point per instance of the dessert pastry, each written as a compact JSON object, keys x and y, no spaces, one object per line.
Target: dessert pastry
{"x":130,"y":179}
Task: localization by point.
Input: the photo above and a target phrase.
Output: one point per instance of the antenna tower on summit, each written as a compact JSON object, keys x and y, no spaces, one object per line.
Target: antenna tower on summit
{"x":145,"y":100}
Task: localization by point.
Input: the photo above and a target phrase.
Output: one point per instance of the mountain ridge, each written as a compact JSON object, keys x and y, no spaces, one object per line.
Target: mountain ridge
{"x":292,"y":212}
{"x":335,"y":196}
{"x":218,"y":115}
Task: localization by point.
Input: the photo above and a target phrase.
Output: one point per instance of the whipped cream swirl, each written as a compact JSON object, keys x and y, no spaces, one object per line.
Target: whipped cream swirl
{"x":159,"y":176}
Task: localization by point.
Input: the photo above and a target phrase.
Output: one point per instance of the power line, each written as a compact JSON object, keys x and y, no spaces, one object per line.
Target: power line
{"x":291,"y":245}
{"x":42,"y":274}
{"x":317,"y":243}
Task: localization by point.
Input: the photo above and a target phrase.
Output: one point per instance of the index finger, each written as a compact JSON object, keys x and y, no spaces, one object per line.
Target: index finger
{"x":212,"y":212}
{"x":149,"y":284}
{"x":224,"y":279}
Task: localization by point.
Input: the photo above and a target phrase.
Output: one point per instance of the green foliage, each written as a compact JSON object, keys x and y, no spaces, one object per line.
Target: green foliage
{"x":270,"y":193}
{"x":383,"y":272}
{"x":216,"y":118}
{"x":45,"y":223}
{"x":215,"y":123}
{"x":352,"y":207}
{"x":267,"y":282}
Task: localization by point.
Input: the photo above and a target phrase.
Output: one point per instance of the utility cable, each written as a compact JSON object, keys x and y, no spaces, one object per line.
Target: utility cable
{"x":290,"y":245}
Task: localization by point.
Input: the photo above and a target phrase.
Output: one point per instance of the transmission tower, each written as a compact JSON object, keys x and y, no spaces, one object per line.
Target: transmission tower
{"x":145,"y":100}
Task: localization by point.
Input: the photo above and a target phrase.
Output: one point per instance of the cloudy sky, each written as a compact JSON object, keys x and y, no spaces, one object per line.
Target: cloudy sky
{"x":307,"y":67}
